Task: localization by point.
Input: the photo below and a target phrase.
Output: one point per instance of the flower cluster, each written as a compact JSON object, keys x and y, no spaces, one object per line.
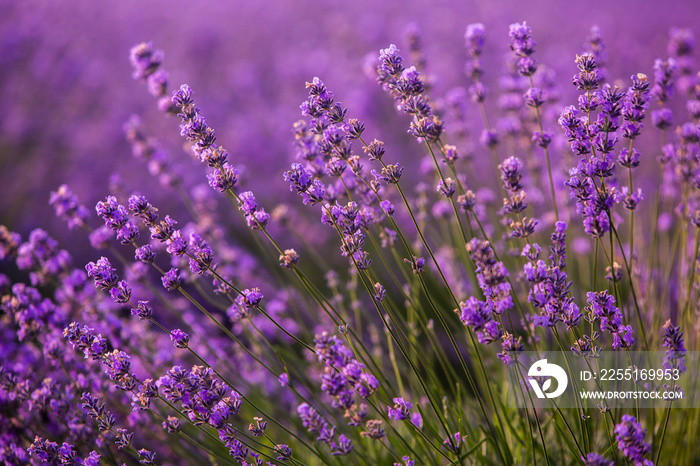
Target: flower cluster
{"x":406,"y":86}
{"x":511,"y":175}
{"x":601,"y":308}
{"x":203,"y":397}
{"x":550,"y":283}
{"x":146,"y":63}
{"x":195,"y":129}
{"x":343,"y":376}
{"x":675,"y":352}
{"x":492,"y":276}
{"x":630,"y":440}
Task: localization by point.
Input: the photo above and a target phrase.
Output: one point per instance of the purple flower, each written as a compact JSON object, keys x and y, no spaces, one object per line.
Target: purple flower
{"x":588,"y":77}
{"x":145,"y":254}
{"x":417,"y":420}
{"x":511,"y":174}
{"x":146,"y":456}
{"x":343,"y":447}
{"x":477,"y":315}
{"x":474,"y":43}
{"x":510,"y":347}
{"x":492,"y":276}
{"x":257,"y":429}
{"x":298,"y":178}
{"x":9,"y":242}
{"x":407,"y":461}
{"x":289,"y":258}
{"x":521,"y":41}
{"x":103,"y":273}
{"x":637,"y":99}
{"x":123,"y":439}
{"x":477,"y":92}
{"x":83,"y":338}
{"x":594,"y":459}
{"x":630,"y":440}
{"x":675,"y":354}
{"x":223,"y":178}
{"x":387,"y":207}
{"x":147,"y":392}
{"x":453,"y":442}
{"x":534,"y":97}
{"x":171,"y":424}
{"x":163,"y":230}
{"x":258,"y":220}
{"x":310,"y":417}
{"x":118,"y":364}
{"x":201,"y":255}
{"x":474,"y":313}
{"x":171,"y":279}
{"x":489,"y":138}
{"x":400,"y":411}
{"x":628,"y":159}
{"x":467,"y":201}
{"x":623,"y":337}
{"x":128,"y":233}
{"x":93,"y":459}
{"x":140,"y":207}
{"x":315,"y":194}
{"x":447,"y":187}
{"x":631,"y":199}
{"x":145,"y":60}
{"x":390,"y":174}
{"x":179,"y":338}
{"x":663,"y":118}
{"x":523,"y":46}
{"x":374,"y":430}
{"x":417,"y":264}
{"x":425,"y":128}
{"x":283,"y":451}
{"x":664,"y":85}
{"x":45,"y":450}
{"x":379,"y":292}
{"x":142,"y":310}
{"x":247,"y":202}
{"x":66,"y":206}
{"x":121,"y":292}
{"x":597,"y":47}
{"x":601,"y":306}
{"x":252,"y":297}
{"x":114,"y":215}
{"x":176,"y":245}
{"x":375,"y":150}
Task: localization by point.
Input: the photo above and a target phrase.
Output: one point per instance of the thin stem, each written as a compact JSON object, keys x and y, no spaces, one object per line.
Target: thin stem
{"x":549,"y":165}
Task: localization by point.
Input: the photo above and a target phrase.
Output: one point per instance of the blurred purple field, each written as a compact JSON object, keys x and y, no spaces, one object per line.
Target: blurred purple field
{"x":66,"y":83}
{"x":475,"y":133}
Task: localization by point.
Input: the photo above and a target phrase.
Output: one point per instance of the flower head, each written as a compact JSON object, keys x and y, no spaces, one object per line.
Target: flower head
{"x":630,"y":440}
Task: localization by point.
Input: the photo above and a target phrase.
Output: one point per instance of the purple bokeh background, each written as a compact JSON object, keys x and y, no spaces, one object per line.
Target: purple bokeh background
{"x":66,"y":83}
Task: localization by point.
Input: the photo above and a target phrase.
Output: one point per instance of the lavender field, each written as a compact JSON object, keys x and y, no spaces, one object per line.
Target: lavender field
{"x":349,"y":233}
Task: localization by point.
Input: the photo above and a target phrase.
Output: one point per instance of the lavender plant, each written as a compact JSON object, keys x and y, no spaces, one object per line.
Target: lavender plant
{"x":376,"y":320}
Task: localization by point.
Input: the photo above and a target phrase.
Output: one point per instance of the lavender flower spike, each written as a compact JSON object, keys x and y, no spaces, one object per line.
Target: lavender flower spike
{"x":675,"y":354}
{"x":630,"y":441}
{"x":523,"y":45}
{"x":65,"y":203}
{"x":195,"y":129}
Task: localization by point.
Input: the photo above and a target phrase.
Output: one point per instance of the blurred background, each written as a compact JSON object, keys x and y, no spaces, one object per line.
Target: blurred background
{"x":67,"y":90}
